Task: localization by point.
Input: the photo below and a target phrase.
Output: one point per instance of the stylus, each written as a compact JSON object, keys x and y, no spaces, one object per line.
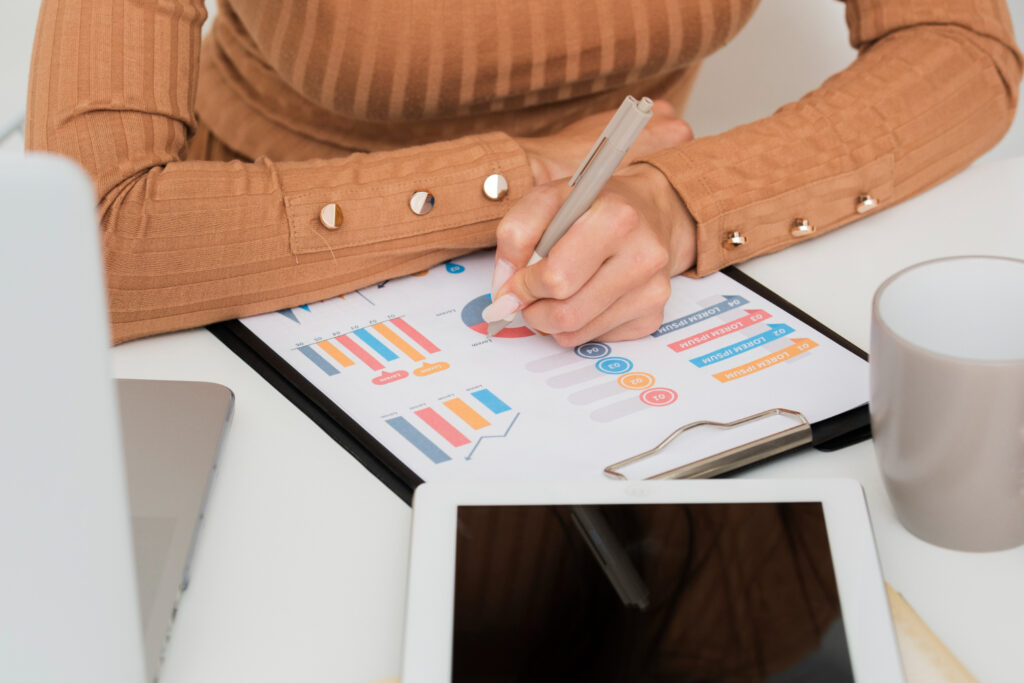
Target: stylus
{"x":611,"y":556}
{"x":598,"y":166}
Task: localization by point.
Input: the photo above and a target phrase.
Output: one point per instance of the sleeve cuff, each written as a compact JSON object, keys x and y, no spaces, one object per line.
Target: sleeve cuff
{"x":364,"y":199}
{"x":739,"y":215}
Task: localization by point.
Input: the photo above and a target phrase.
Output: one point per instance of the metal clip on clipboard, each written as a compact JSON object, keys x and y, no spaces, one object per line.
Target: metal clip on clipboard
{"x":733,"y":458}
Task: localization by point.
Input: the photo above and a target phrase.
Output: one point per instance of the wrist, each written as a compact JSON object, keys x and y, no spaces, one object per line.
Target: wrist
{"x":675,"y":219}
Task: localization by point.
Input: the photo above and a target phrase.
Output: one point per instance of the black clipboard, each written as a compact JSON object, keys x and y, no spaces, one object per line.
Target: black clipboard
{"x":830,"y":434}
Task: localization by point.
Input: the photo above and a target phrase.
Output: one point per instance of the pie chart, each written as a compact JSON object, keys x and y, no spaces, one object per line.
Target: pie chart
{"x":472,"y":319}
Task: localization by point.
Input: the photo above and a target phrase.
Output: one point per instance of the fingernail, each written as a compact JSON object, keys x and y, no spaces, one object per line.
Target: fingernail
{"x":501,"y":309}
{"x":503,"y":270}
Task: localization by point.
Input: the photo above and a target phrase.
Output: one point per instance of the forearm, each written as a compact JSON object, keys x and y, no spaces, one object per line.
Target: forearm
{"x":196,"y":242}
{"x":924,"y":98}
{"x":187,"y":243}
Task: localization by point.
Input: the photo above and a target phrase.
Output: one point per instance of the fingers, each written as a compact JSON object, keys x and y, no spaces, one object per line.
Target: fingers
{"x":636,"y":313}
{"x":593,"y":238}
{"x":609,"y":227}
{"x":521,"y":229}
{"x":608,"y":269}
{"x":664,"y":130}
{"x":664,"y":108}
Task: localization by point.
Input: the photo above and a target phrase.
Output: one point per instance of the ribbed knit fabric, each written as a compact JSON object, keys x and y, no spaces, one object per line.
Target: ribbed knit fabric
{"x":212,"y":171}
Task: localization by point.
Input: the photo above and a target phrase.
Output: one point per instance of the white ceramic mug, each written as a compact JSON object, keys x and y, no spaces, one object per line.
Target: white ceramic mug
{"x":947,"y":399}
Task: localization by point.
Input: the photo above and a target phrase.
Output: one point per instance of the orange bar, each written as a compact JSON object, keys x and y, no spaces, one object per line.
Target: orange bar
{"x":335,"y":353}
{"x":772,"y":359}
{"x":466,"y":414}
{"x":399,"y":343}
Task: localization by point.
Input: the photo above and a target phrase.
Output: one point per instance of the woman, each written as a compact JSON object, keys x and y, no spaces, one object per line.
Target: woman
{"x":316,"y":147}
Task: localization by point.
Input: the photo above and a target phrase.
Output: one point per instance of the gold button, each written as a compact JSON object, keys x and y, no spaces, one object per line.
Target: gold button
{"x":421,"y":202}
{"x":495,"y":187}
{"x":331,"y":216}
{"x":866,"y":203}
{"x":733,"y":240}
{"x":801,"y":228}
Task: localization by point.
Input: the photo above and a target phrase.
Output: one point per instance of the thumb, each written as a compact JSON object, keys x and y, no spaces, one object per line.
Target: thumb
{"x":520,"y":230}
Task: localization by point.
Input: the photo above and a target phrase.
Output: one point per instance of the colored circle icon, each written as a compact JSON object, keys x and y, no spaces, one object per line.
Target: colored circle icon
{"x":658,"y":397}
{"x":592,"y":350}
{"x":473,"y":319}
{"x":636,"y":380}
{"x":614,"y":365}
{"x":454,"y":268}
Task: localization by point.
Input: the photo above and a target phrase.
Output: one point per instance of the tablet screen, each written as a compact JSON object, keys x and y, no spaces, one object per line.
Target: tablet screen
{"x":666,"y":592}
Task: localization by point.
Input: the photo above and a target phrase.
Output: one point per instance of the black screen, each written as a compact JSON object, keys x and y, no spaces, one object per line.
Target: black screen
{"x":713,"y":592}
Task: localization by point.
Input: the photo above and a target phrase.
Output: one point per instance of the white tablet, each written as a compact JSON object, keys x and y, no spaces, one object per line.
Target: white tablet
{"x":715,"y":580}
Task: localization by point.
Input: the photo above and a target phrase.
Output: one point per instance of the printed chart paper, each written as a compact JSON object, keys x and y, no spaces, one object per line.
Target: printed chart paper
{"x":410,"y":361}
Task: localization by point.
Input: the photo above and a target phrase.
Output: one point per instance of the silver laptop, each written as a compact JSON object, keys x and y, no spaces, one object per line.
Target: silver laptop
{"x":87,"y":589}
{"x":171,"y":433}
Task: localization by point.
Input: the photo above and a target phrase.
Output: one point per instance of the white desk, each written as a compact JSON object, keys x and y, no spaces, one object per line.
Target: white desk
{"x":300,"y":571}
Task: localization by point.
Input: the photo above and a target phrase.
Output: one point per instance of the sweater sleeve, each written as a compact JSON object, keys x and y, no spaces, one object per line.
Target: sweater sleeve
{"x":188,"y":243}
{"x":934,"y":85}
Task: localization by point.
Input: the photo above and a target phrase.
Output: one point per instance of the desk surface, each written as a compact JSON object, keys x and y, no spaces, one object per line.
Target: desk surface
{"x":300,"y":570}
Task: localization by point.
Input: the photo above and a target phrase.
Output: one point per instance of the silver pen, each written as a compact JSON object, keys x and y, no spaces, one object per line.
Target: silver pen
{"x":598,"y":166}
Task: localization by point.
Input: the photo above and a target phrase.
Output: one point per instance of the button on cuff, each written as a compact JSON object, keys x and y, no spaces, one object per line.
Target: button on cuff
{"x":801,"y":228}
{"x":865,"y":203}
{"x":331,"y":216}
{"x":734,"y":240}
{"x":421,"y":203}
{"x":495,"y":187}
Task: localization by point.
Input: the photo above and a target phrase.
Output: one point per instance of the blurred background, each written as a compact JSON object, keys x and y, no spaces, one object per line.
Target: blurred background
{"x":806,"y":42}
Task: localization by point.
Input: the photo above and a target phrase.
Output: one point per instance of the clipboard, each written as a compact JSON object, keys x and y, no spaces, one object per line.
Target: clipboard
{"x":831,"y":433}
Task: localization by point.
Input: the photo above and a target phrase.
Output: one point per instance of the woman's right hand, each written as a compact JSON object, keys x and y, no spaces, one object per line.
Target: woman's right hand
{"x":558,"y":156}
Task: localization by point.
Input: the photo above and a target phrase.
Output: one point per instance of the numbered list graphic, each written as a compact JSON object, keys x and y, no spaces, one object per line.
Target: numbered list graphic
{"x":728,"y":336}
{"x":376,"y":347}
{"x":609,"y":384}
{"x":455,"y":425}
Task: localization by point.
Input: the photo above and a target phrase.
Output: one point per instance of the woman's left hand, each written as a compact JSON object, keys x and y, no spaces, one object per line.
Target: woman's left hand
{"x":608,"y":277}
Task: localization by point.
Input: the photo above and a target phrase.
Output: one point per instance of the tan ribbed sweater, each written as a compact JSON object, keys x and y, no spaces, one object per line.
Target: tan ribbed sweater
{"x":212,"y":165}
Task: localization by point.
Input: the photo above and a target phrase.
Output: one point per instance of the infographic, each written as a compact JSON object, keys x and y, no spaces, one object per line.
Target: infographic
{"x":409,"y":359}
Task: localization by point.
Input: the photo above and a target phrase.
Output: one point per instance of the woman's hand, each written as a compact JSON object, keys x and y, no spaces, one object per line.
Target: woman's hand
{"x":557,"y":156}
{"x":608,"y":277}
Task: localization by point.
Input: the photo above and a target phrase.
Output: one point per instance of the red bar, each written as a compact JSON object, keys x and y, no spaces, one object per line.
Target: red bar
{"x":414,"y":334}
{"x":442,"y":427}
{"x":359,"y":352}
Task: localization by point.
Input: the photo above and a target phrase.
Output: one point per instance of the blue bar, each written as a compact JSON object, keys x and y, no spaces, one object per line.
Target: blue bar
{"x":375,"y":344}
{"x":774,"y":332}
{"x":320,"y":361}
{"x":417,"y":439}
{"x":493,"y":403}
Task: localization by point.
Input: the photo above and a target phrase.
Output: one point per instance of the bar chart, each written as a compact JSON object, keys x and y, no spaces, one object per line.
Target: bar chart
{"x":376,"y":347}
{"x":443,"y":429}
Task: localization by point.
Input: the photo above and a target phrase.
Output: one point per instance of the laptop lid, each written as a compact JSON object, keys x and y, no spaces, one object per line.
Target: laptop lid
{"x":172,"y":434}
{"x":84,"y":562}
{"x":68,"y":605}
